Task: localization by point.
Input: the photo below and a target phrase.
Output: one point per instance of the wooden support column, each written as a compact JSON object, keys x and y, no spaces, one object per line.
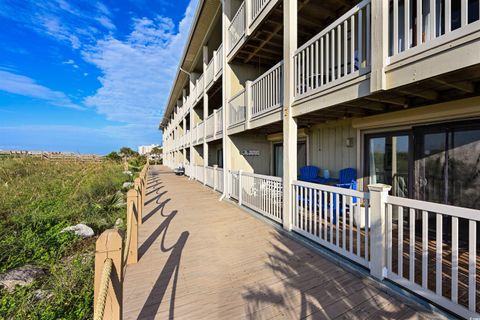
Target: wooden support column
{"x":226,"y":92}
{"x":379,"y":43}
{"x":289,"y":123}
{"x":205,"y":115}
{"x":132,"y":219}
{"x":109,"y":246}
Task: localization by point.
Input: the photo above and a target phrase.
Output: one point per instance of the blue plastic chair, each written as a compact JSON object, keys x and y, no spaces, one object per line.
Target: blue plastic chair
{"x":310,"y":174}
{"x":347,"y":178}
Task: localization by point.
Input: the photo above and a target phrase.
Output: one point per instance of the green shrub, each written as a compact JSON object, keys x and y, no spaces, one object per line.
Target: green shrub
{"x":37,"y":200}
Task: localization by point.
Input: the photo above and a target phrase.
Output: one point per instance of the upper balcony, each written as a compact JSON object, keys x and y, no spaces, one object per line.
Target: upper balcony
{"x":245,"y":24}
{"x":259,"y":103}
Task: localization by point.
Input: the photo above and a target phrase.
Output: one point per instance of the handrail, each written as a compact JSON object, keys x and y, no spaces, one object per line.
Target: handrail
{"x":102,"y":296}
{"x":112,"y":254}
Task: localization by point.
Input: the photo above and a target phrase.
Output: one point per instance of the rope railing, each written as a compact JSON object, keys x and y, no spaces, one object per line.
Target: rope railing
{"x":102,"y":295}
{"x":113,"y":253}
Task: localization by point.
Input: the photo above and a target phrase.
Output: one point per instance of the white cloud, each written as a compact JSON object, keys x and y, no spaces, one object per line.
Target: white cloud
{"x":138,"y":71}
{"x":25,"y":86}
{"x":61,"y":20}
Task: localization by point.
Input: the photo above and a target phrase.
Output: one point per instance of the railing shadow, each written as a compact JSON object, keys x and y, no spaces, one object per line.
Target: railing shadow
{"x":161,"y":206}
{"x":318,"y":288}
{"x":155,"y":198}
{"x":156,"y":190}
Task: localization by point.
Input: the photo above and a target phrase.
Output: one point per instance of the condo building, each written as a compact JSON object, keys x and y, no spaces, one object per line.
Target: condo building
{"x":355,"y":124}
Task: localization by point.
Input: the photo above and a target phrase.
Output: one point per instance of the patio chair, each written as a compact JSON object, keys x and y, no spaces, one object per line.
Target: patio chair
{"x":347,"y":178}
{"x":310,"y":174}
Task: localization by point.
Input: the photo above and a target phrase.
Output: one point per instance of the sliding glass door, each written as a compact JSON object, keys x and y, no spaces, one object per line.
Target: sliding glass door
{"x":388,"y":161}
{"x":437,"y":163}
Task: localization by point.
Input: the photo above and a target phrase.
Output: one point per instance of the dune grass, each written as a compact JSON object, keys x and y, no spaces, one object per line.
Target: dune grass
{"x":37,"y":200}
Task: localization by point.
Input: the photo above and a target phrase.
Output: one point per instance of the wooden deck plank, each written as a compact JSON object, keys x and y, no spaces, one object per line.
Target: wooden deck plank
{"x":201,"y":258}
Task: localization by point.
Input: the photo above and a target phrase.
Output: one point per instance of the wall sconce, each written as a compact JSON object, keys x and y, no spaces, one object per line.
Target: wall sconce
{"x":349,"y":142}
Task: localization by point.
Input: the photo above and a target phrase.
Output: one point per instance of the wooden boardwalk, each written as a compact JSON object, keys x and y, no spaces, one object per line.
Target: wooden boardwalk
{"x":205,"y":259}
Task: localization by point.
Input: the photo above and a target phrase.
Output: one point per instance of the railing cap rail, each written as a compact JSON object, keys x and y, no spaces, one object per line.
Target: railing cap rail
{"x":324,"y":187}
{"x":267,"y":72}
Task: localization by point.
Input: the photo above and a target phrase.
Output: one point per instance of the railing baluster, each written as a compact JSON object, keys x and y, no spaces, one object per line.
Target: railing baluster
{"x":424,"y":249}
{"x":389,"y":236}
{"x":400,"y":241}
{"x":395,"y":27}
{"x":455,"y":259}
{"x":472,"y":265}
{"x":412,"y":245}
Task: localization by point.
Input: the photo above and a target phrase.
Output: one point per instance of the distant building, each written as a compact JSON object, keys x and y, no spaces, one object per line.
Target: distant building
{"x":147,"y":148}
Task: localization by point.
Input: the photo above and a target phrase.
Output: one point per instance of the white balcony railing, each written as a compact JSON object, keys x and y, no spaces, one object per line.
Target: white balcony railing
{"x":210,"y":122}
{"x":338,"y":53}
{"x":219,"y":115}
{"x":218,"y":61}
{"x":199,"y":87}
{"x":237,"y":108}
{"x":451,"y":261}
{"x":209,"y":176}
{"x":200,"y":131}
{"x":219,"y":179}
{"x":236,"y":30}
{"x":209,"y":74}
{"x":256,"y":7}
{"x":267,"y":90}
{"x":412,"y":24}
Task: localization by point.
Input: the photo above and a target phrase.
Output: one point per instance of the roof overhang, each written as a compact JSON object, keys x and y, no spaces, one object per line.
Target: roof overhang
{"x":204,"y":15}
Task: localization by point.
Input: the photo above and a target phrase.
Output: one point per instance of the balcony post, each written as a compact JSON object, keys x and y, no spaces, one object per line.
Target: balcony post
{"x":248,"y":9}
{"x":289,"y":123}
{"x":378,"y":197}
{"x":240,"y":187}
{"x":379,"y":44}
{"x":248,"y":103}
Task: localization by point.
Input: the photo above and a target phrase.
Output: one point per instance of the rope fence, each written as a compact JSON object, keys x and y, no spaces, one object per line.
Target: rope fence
{"x":113,"y":253}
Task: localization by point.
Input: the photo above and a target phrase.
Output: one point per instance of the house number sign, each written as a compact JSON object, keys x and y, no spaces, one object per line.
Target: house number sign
{"x":251,"y":153}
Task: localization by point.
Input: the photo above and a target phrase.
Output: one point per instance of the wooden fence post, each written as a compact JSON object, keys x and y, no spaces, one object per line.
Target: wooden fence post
{"x":138,"y":186}
{"x":132,"y":217}
{"x":378,"y":197}
{"x":109,"y":246}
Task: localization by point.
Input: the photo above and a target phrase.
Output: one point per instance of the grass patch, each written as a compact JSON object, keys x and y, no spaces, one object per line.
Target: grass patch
{"x":37,"y":200}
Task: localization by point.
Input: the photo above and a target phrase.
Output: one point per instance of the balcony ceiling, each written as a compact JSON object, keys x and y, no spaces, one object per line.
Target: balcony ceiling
{"x":265,"y":44}
{"x":459,"y":84}
{"x":206,"y":12}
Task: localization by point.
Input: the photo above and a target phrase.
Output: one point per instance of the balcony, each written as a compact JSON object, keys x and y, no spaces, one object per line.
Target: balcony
{"x":247,"y":18}
{"x":214,"y":68}
{"x":260,"y":102}
{"x":430,"y":38}
{"x":337,"y":56}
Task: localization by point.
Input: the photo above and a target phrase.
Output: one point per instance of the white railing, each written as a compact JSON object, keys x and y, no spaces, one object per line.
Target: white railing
{"x":188,"y":170}
{"x":219,"y":116}
{"x":337,"y":218}
{"x":237,"y":108}
{"x":210,"y":126}
{"x":233,"y":184}
{"x":200,"y":131}
{"x":406,"y":17}
{"x":209,"y":74}
{"x":445,"y":267}
{"x":199,"y":173}
{"x":219,"y":179}
{"x":218,"y":61}
{"x":262,"y":193}
{"x":209,"y":176}
{"x":199,"y":87}
{"x":236,"y":30}
{"x":256,"y":7}
{"x":267,"y":90}
{"x":339,"y":53}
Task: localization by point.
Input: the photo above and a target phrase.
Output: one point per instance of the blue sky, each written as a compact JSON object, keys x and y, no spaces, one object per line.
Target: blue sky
{"x":87,"y":76}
